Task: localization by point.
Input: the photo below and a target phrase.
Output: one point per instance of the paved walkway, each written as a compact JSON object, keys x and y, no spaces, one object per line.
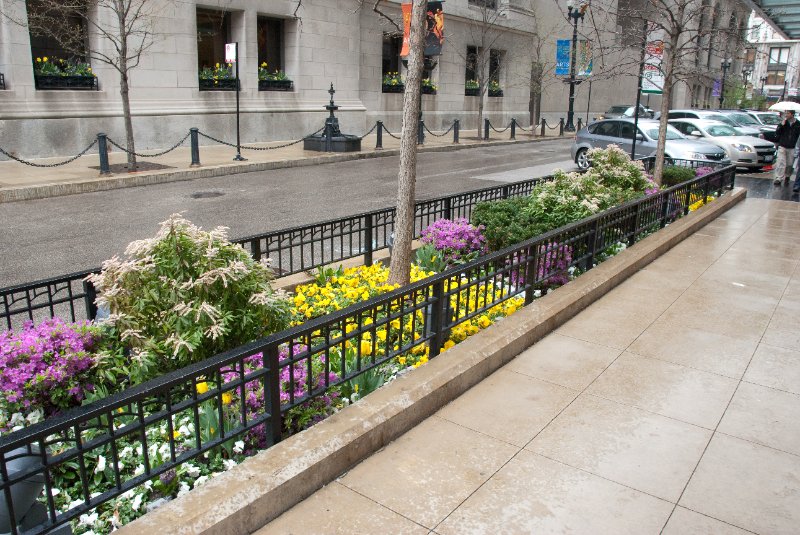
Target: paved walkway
{"x":670,"y":405}
{"x":86,"y":168}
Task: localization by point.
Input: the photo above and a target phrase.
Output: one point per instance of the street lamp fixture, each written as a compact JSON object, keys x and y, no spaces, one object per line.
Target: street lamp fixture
{"x":726,"y":64}
{"x":746,"y":75}
{"x":574,"y":14}
{"x":763,"y":81}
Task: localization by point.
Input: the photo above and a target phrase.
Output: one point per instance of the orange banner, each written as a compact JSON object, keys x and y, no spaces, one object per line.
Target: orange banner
{"x":406,"y":29}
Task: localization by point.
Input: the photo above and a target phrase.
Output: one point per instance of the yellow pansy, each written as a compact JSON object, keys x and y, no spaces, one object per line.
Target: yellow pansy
{"x":202,"y":388}
{"x":366,"y":347}
{"x":227,"y":397}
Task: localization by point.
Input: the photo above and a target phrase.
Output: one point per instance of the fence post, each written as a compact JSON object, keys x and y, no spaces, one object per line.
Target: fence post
{"x":255,"y":249}
{"x":193,"y":134}
{"x":421,"y":132}
{"x":456,"y":127}
{"x":379,"y":140}
{"x":505,"y":192}
{"x":561,"y":127}
{"x":532,"y":258}
{"x":513,"y":128}
{"x":592,"y":244}
{"x":687,"y":200}
{"x":665,"y":200}
{"x":102,"y":149}
{"x":486,"y":129}
{"x":632,"y":237}
{"x":369,"y":228}
{"x":543,"y":126}
{"x":89,"y":300}
{"x":275,"y":418}
{"x":706,"y":187}
{"x":437,"y":318}
{"x":448,"y":208}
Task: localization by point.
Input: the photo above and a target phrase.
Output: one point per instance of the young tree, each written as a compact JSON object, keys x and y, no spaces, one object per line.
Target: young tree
{"x":691,"y":32}
{"x":399,"y":269}
{"x":124,"y":29}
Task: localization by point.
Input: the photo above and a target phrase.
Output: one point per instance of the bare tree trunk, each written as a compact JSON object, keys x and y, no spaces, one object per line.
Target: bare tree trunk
{"x":124,"y":86}
{"x":400,"y":268}
{"x":666,"y":97}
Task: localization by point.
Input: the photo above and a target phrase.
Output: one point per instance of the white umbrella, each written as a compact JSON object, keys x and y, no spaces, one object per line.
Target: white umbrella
{"x":785,"y":105}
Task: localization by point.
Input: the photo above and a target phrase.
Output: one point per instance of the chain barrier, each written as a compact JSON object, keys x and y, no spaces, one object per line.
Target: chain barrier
{"x":139,"y":155}
{"x":65,"y":162}
{"x":527,"y":129}
{"x":370,"y":131}
{"x":556,"y":127}
{"x":390,"y":134}
{"x":260,"y":148}
{"x":443,"y":134}
{"x":499,"y":131}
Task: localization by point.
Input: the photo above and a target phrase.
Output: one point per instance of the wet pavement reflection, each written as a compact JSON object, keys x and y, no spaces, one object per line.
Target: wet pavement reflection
{"x":760,"y":186}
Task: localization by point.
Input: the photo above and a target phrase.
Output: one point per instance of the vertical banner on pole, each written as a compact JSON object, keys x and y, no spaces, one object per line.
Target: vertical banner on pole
{"x":583,"y":61}
{"x":406,"y":29}
{"x":562,"y":56}
{"x":652,"y":76}
{"x":434,"y":35}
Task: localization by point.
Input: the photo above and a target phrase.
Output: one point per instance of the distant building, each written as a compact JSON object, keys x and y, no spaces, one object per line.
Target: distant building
{"x":774,"y":62}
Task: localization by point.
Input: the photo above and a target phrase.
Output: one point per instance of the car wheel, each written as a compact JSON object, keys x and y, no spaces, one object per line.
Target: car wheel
{"x":582,"y":159}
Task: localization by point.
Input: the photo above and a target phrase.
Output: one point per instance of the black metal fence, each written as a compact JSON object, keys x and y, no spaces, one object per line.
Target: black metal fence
{"x":249,"y":391}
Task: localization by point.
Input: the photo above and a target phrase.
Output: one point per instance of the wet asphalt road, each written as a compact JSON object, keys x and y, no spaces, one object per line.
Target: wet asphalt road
{"x":50,"y":237}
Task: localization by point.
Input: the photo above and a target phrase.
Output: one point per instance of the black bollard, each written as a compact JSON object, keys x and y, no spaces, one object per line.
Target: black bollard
{"x":486,"y":129}
{"x":543,"y":126}
{"x":379,"y":141}
{"x":456,"y":127}
{"x":195,"y":147}
{"x":561,"y":127}
{"x":513,"y":128}
{"x":102,"y":149}
{"x":580,"y":124}
{"x":421,"y":132}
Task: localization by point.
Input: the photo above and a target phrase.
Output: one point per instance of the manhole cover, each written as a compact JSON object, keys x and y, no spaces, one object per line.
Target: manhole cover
{"x":206,"y":194}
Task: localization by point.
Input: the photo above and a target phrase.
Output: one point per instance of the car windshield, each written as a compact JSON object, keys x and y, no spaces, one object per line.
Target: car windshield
{"x":721,"y":118}
{"x":744,"y":119}
{"x":770,"y":118}
{"x":652,"y":133}
{"x":721,"y":130}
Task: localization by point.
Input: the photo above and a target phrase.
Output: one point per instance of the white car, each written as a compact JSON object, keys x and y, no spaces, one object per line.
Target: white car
{"x":744,"y":151}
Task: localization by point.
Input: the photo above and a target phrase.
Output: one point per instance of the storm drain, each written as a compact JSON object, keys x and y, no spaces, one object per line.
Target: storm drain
{"x":206,"y":194}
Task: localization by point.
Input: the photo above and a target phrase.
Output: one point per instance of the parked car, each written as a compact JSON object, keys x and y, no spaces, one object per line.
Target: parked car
{"x":769,"y":121}
{"x":744,"y":119}
{"x":713,"y":116}
{"x":621,"y":132}
{"x":627,"y":110}
{"x":744,"y":151}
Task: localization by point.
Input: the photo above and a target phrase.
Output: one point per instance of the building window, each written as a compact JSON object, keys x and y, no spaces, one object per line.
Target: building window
{"x":45,"y":45}
{"x":495,"y":62}
{"x":213,"y":31}
{"x":392,"y":45}
{"x":471,"y":70}
{"x":776,"y":77}
{"x":488,"y":4}
{"x":270,"y":43}
{"x":778,"y":56}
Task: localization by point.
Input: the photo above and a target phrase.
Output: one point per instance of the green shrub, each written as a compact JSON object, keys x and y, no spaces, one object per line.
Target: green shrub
{"x":186,"y":295}
{"x":504,"y":222}
{"x":674,"y":175}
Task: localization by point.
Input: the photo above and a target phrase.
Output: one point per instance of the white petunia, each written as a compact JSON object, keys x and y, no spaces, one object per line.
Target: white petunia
{"x":139,"y":470}
{"x":137,"y":502}
{"x":88,"y":519}
{"x":238,"y":446}
{"x":200,"y":480}
{"x":101,"y":465}
{"x":191,"y":470}
{"x":228,"y":463}
{"x":184,"y":488}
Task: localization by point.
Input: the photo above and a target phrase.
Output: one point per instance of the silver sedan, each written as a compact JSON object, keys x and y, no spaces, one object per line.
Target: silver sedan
{"x":744,"y":151}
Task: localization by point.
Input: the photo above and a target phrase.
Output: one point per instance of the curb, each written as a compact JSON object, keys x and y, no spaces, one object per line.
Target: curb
{"x":90,"y":185}
{"x":257,"y":491}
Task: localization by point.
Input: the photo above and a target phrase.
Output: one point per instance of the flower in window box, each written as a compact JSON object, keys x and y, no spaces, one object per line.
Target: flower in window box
{"x":471,"y":84}
{"x":392,"y":78}
{"x":494,"y":89}
{"x":427,"y":84}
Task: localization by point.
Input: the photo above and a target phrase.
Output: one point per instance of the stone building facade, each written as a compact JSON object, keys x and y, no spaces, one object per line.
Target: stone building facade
{"x":318,"y":43}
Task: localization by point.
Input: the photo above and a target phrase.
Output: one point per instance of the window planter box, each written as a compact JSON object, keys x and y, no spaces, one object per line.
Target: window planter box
{"x":275,"y":85}
{"x":399,"y":88}
{"x":426,"y":90}
{"x":85,"y":83}
{"x":2,"y":81}
{"x":471,"y":91}
{"x":226,"y":84}
{"x":495,"y":92}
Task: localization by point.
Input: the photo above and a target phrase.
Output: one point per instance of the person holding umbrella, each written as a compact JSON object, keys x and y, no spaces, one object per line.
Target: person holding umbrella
{"x":787,"y":134}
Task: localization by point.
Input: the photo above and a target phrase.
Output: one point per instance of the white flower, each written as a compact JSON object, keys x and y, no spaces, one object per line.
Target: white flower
{"x":184,"y":488}
{"x":137,"y":502}
{"x":76,"y":503}
{"x":101,"y":465}
{"x":238,"y":446}
{"x":55,"y":492}
{"x":139,"y":470}
{"x":227,"y":463}
{"x":88,"y":519}
{"x":191,"y":470}
{"x":35,"y":417}
{"x":537,"y":293}
{"x":200,"y":480}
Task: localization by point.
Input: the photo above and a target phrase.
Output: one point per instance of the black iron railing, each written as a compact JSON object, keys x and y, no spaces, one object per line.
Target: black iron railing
{"x":292,"y":250}
{"x":199,"y":408}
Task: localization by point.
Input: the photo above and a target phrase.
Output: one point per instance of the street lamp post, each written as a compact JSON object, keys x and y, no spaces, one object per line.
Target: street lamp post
{"x":726,"y":64}
{"x":574,"y":14}
{"x":763,"y":81}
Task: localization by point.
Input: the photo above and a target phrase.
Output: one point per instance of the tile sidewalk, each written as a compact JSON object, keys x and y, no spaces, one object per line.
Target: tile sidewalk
{"x":20,"y":182}
{"x":668,"y":406}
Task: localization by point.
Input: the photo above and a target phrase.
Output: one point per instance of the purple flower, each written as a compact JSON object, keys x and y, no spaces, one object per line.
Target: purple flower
{"x":456,"y":239}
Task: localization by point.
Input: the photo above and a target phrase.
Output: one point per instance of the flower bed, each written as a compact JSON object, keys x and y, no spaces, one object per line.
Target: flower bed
{"x":211,"y":297}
